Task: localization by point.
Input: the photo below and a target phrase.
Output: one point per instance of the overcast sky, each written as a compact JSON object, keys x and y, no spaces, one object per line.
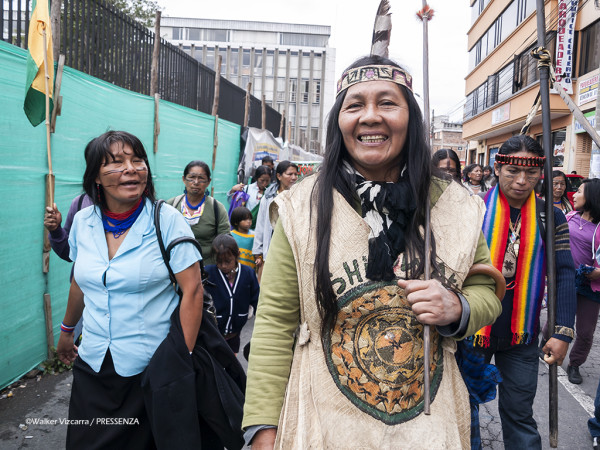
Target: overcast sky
{"x":351,"y":24}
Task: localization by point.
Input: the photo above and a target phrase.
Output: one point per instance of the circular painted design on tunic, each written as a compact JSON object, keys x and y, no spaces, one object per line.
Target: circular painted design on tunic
{"x":375,"y":353}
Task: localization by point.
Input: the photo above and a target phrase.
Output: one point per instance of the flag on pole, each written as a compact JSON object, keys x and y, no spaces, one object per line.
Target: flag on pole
{"x":35,"y":95}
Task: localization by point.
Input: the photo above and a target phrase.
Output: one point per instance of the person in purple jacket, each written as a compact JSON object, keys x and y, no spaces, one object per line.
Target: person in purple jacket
{"x":59,"y":236}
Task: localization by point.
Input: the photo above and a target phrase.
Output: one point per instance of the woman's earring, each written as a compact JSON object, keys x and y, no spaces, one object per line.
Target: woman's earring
{"x":185,"y":190}
{"x":98,"y":190}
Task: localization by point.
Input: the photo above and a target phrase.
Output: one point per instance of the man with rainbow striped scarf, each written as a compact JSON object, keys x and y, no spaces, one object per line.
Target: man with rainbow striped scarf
{"x":514,"y":231}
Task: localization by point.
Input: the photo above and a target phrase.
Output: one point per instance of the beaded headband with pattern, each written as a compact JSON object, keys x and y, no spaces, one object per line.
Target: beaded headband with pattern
{"x":527,"y":161}
{"x":374,"y":73}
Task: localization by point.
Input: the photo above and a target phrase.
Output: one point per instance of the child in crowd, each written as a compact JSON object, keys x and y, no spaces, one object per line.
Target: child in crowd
{"x":235,"y":290}
{"x":241,"y":221}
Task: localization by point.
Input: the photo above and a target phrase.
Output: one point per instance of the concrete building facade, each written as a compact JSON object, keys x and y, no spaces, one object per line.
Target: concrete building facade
{"x":503,"y":78}
{"x":291,"y":65}
{"x":448,"y":135}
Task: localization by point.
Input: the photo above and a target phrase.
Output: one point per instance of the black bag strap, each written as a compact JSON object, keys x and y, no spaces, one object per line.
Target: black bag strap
{"x":166,"y":252}
{"x":80,"y":202}
{"x":216,"y":213}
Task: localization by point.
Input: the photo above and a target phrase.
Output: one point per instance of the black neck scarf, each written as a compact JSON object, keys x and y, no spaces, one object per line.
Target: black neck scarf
{"x":388,"y":209}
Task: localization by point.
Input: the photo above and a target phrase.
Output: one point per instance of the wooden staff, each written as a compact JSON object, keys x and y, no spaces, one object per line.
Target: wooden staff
{"x":550,"y":257}
{"x":425,"y":15}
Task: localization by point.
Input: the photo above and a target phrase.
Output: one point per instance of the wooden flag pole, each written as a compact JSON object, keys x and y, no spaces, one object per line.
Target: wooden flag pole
{"x":50,"y":200}
{"x":47,"y":85}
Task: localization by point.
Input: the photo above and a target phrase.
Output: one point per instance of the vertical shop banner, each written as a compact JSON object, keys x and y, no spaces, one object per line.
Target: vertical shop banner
{"x":565,"y":35}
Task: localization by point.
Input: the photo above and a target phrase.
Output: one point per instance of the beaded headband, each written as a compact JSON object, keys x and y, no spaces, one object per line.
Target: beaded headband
{"x":527,"y":161}
{"x":374,"y":73}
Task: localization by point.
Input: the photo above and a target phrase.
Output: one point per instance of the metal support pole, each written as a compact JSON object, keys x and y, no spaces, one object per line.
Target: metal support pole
{"x":550,"y":261}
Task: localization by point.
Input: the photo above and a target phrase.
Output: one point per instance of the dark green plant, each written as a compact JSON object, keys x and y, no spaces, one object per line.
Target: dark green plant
{"x":54,"y":365}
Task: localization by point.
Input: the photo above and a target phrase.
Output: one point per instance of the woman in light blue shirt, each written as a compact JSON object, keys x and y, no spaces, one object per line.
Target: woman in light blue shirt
{"x":121,"y":278}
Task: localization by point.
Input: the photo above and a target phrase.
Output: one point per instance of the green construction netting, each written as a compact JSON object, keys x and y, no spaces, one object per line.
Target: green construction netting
{"x":90,"y":107}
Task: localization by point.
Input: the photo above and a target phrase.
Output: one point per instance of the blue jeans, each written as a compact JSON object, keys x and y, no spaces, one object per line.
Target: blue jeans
{"x":594,"y":422}
{"x":518,"y":365}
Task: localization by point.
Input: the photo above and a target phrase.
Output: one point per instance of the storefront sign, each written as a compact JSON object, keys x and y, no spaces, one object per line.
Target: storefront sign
{"x":501,"y":114}
{"x":565,"y":34}
{"x":591,"y":117}
{"x":588,"y":89}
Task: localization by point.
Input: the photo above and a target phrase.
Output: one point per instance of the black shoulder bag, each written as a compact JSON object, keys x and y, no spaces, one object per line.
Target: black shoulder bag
{"x":220,"y":379}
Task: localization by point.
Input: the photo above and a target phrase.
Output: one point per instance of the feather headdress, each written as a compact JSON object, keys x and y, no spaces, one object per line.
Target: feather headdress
{"x":382,"y":30}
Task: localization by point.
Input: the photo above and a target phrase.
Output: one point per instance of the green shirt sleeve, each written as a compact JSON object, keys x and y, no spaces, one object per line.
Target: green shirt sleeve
{"x":271,"y":351}
{"x":479,"y":290}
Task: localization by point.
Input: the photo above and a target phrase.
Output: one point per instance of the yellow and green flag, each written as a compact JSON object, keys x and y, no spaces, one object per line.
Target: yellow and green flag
{"x":35,"y":95}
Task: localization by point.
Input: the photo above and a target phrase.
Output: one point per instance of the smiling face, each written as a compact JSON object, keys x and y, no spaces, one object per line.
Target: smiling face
{"x":517,"y":182}
{"x":373,"y":120}
{"x":123,"y":176}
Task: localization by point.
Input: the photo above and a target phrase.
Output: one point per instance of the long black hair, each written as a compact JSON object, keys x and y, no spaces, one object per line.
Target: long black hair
{"x":98,"y":150}
{"x":592,"y":197}
{"x":415,"y":157}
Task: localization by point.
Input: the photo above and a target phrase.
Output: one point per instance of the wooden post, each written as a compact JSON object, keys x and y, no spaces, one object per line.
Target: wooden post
{"x":48,"y":319}
{"x":247,"y":105}
{"x":282,"y":124}
{"x":57,"y":96}
{"x":263,"y":114}
{"x":55,"y":25}
{"x":155,"y":56}
{"x":215,"y":108}
{"x":214,"y":155}
{"x":156,"y":122}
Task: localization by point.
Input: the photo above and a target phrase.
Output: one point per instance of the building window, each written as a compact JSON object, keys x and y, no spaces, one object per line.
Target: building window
{"x":293,"y":89}
{"x":317,"y":91}
{"x":501,"y":85}
{"x":303,"y":40}
{"x":590,"y":48}
{"x":194,"y":34}
{"x":216,"y":35}
{"x":514,"y":14}
{"x":177,"y":33}
{"x":305,"y":91}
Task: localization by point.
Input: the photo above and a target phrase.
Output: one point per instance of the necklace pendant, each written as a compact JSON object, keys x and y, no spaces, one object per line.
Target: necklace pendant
{"x":516,"y":248}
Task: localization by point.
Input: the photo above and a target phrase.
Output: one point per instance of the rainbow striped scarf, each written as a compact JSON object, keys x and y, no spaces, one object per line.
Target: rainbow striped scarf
{"x":531,"y":265}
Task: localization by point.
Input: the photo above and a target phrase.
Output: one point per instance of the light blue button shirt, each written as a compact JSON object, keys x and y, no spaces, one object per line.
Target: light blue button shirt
{"x":128,"y":299}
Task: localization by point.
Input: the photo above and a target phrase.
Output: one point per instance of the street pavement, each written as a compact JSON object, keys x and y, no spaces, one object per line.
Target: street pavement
{"x":46,"y":402}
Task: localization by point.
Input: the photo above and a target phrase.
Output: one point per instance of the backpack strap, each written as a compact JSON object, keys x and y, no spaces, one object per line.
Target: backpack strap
{"x":80,"y":202}
{"x":166,"y":252}
{"x":216,"y":213}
